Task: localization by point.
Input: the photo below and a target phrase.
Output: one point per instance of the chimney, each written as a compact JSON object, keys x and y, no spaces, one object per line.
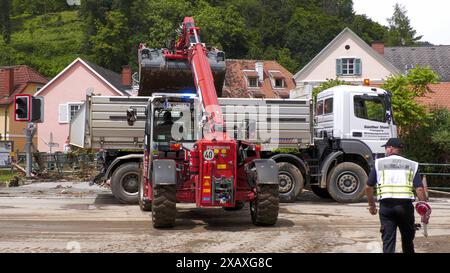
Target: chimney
{"x":8,"y":81}
{"x":126,"y":76}
{"x":378,"y":46}
{"x":259,"y":68}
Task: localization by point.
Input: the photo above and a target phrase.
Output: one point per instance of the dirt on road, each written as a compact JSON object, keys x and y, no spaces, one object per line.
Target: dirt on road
{"x":74,"y":217}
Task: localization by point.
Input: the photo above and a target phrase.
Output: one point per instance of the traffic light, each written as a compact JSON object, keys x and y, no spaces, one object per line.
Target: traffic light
{"x":28,"y":108}
{"x":22,"y":107}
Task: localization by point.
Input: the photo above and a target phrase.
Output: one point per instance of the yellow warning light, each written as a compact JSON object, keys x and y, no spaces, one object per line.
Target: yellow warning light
{"x":366,"y":82}
{"x":206,"y":184}
{"x":221,"y":166}
{"x":224,"y":151}
{"x":206,"y":191}
{"x":216,"y":151}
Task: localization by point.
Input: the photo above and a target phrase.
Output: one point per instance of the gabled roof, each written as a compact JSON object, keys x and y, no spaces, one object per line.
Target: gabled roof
{"x":329,"y":49}
{"x":23,"y":75}
{"x":110,"y":78}
{"x":436,"y":57}
{"x":236,"y":84}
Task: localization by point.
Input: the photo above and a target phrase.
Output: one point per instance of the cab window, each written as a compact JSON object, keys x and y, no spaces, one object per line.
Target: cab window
{"x":319,"y":108}
{"x":328,"y":106}
{"x":370,"y":108}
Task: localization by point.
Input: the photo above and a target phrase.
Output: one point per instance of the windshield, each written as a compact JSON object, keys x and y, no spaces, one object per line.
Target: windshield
{"x":173,"y":125}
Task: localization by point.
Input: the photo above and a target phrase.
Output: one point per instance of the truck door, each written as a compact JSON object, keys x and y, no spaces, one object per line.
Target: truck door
{"x":370,"y":120}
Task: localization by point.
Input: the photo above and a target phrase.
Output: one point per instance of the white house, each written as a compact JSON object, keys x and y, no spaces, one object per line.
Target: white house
{"x":347,"y":58}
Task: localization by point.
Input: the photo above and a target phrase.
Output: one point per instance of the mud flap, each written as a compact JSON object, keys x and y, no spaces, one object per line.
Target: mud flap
{"x":266,"y":172}
{"x":164,"y":172}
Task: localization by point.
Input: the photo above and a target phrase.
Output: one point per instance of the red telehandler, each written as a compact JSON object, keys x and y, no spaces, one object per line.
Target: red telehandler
{"x":189,"y":157}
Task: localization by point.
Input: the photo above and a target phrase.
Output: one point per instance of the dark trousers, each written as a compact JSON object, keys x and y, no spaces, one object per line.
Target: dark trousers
{"x":397,"y":213}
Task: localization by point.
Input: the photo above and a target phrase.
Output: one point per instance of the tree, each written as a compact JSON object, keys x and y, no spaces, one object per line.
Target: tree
{"x":406,"y":89}
{"x":430,"y":142}
{"x":110,"y":45}
{"x":400,"y":31}
{"x":5,"y":23}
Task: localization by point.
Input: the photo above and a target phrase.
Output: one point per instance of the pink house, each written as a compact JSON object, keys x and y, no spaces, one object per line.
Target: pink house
{"x":65,"y":93}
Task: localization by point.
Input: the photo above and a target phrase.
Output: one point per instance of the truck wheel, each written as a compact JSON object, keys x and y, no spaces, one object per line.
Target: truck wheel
{"x":291,"y":182}
{"x":144,"y":204}
{"x":322,"y":193}
{"x":239,"y":205}
{"x":347,"y":182}
{"x":264,"y":209}
{"x":125,"y":183}
{"x":164,"y":207}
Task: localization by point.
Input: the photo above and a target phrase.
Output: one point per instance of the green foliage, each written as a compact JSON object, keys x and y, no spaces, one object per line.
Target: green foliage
{"x":47,"y":42}
{"x":400,"y":31}
{"x":430,"y":141}
{"x":111,"y":42}
{"x":5,"y":22}
{"x":408,"y":113}
{"x":289,"y":31}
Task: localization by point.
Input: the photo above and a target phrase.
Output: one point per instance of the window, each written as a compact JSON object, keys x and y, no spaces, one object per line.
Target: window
{"x":324,"y":107}
{"x":252,"y":82}
{"x":279,"y":83}
{"x":370,"y":108}
{"x":67,"y":111}
{"x":73,"y":108}
{"x":348,"y":67}
{"x":319,"y":108}
{"x":328,"y":106}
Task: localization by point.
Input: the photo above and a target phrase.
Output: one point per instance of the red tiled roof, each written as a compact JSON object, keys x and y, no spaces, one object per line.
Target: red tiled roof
{"x":440,"y":95}
{"x":276,"y":74}
{"x":22,"y":76}
{"x":236,"y":83}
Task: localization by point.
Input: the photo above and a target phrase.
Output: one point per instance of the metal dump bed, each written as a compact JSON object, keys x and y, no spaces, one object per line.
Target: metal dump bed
{"x":274,"y":123}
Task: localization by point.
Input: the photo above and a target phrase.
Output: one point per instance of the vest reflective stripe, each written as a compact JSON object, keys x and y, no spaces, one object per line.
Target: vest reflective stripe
{"x":395,"y":176}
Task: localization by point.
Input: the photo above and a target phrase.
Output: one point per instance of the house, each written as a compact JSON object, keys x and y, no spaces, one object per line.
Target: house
{"x":16,"y":80}
{"x":64,"y":95}
{"x":257,"y":79}
{"x":435,"y":57}
{"x":348,"y":58}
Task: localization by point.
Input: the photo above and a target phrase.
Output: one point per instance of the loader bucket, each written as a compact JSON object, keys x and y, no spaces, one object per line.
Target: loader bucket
{"x":160,"y":75}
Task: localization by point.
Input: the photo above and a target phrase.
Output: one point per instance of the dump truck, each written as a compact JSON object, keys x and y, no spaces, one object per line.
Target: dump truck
{"x":346,"y":127}
{"x":330,"y":144}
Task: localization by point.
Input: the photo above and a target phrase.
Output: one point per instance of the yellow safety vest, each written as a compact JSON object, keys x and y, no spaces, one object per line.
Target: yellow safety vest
{"x":395,"y":176}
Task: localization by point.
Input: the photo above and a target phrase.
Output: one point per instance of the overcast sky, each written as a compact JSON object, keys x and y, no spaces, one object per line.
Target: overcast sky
{"x":430,"y":18}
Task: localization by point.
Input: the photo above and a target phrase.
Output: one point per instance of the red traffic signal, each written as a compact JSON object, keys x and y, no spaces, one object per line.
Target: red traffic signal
{"x":28,"y":108}
{"x":22,"y":108}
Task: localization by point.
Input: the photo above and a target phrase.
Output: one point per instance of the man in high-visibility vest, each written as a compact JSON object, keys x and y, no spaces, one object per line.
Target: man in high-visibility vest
{"x":395,"y":179}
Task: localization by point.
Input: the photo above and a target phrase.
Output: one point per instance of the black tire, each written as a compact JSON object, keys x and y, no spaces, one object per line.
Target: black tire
{"x":291,"y":182}
{"x":239,"y":205}
{"x":144,"y":204}
{"x":264,"y":209}
{"x":164,"y":208}
{"x":347,"y":182}
{"x":322,"y":193}
{"x":125,"y":183}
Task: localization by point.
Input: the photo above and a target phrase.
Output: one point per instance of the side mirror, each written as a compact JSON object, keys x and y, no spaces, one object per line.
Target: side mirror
{"x":131,"y":116}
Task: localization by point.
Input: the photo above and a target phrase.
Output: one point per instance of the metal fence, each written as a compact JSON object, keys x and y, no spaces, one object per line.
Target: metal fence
{"x":61,"y":163}
{"x":437,"y":176}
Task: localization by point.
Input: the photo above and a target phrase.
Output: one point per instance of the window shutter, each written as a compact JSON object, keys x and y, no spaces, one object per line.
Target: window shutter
{"x":338,"y":67}
{"x":358,"y":67}
{"x":63,"y":113}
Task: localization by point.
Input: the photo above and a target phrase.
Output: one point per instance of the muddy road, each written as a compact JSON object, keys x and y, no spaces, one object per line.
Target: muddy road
{"x":73,"y":217}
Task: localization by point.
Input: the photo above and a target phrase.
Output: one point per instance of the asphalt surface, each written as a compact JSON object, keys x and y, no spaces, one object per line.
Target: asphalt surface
{"x":75,"y":217}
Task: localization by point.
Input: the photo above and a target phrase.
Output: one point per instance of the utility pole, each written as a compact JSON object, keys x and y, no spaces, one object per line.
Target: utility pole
{"x":29,"y":134}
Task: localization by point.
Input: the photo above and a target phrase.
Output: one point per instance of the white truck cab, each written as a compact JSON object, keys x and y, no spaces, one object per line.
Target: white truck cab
{"x":356,"y":113}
